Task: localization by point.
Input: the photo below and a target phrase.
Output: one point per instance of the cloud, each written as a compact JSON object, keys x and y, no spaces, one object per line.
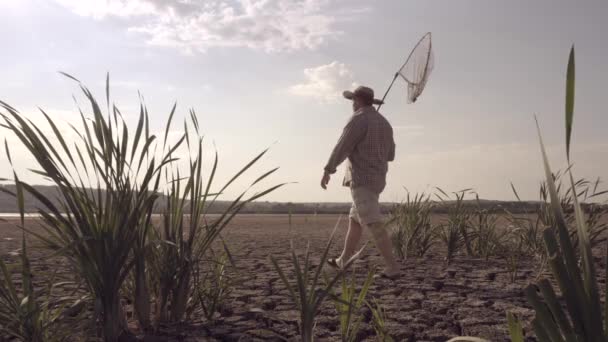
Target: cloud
{"x":99,"y":9}
{"x":198,"y":25}
{"x":325,"y":83}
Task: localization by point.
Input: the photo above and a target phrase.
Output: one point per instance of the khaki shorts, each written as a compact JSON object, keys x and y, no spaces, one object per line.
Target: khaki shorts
{"x":366,"y":208}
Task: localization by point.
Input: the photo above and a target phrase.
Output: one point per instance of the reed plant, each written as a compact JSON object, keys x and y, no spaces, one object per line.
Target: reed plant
{"x":109,"y":183}
{"x":308,"y":294}
{"x":348,"y":304}
{"x":187,"y":232}
{"x":413,"y":233}
{"x":529,"y":229}
{"x":455,"y":232}
{"x":487,"y":237}
{"x":214,"y":285}
{"x":531,"y":225}
{"x":30,"y":314}
{"x":584,"y":317}
{"x":379,"y":321}
{"x":512,"y":250}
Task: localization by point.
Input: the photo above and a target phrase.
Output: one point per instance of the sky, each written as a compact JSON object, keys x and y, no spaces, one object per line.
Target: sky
{"x":269,"y":74}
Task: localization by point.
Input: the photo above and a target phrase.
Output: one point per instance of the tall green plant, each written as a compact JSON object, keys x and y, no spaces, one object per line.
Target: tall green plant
{"x":513,"y":251}
{"x":578,"y":285}
{"x":107,"y":184}
{"x":28,"y":314}
{"x":455,"y":232}
{"x":379,"y":321}
{"x":528,"y":230}
{"x":187,"y":231}
{"x":308,"y":294}
{"x":533,"y":223}
{"x":213,"y":286}
{"x":452,"y":239}
{"x":487,"y":238}
{"x":348,"y":304}
{"x":20,"y":313}
{"x":413,"y":234}
{"x":582,"y":318}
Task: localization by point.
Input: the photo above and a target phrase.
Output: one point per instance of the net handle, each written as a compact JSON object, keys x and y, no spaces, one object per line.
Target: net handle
{"x":387,"y":90}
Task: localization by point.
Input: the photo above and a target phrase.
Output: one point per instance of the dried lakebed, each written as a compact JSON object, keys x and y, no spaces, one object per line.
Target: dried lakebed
{"x":431,"y":301}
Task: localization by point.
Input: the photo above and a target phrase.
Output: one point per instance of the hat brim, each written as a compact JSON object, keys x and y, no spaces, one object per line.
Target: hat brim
{"x":350,"y":95}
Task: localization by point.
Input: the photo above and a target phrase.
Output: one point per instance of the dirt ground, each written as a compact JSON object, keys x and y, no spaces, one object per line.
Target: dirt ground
{"x":430,"y":302}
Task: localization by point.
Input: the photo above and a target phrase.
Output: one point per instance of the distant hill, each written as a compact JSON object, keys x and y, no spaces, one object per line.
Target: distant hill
{"x":8,"y":205}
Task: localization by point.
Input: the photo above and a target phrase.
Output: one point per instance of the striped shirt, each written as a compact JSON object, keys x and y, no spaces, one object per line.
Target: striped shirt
{"x":367,"y":142}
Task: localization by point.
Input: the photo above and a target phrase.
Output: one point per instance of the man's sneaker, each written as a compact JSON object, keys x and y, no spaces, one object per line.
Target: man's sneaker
{"x":387,"y":275}
{"x":335,"y":263}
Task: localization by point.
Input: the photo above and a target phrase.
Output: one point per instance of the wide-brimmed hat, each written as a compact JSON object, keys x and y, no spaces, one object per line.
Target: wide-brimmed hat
{"x":362,"y":92}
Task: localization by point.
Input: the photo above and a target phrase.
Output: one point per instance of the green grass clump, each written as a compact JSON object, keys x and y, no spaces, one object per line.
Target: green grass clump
{"x":33,"y":315}
{"x":487,"y":237}
{"x":454,"y":233}
{"x":413,"y":234}
{"x":215,"y":285}
{"x":584,"y":317}
{"x":349,"y":302}
{"x":308,"y":294}
{"x":379,"y":321}
{"x":109,"y":182}
{"x":30,"y":315}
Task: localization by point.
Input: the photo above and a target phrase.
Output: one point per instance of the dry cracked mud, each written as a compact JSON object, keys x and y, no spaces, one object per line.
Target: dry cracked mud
{"x":431,"y":301}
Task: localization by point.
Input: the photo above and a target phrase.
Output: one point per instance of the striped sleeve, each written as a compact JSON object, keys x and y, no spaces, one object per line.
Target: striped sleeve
{"x":391,"y":149}
{"x":353,"y":133}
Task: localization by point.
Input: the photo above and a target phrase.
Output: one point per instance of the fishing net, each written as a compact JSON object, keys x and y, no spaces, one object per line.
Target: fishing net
{"x":418,"y":67}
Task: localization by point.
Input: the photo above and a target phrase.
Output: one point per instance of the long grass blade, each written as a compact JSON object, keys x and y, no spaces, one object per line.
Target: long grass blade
{"x":8,"y":152}
{"x":570,"y":80}
{"x":69,"y":76}
{"x":593,"y":310}
{"x":168,"y":126}
{"x":606,"y":292}
{"x":515,"y":330}
{"x":515,"y":192}
{"x":286,"y":282}
{"x":556,"y":310}
{"x":323,"y":259}
{"x":467,"y":339}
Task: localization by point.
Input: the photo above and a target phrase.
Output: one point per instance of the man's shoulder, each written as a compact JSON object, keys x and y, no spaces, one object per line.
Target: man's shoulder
{"x":380,"y":117}
{"x":359,"y":118}
{"x":384,"y":123}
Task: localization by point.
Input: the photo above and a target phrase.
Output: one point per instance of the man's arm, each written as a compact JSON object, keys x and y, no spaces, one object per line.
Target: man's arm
{"x":391,"y":152}
{"x":353,"y":133}
{"x":391,"y":147}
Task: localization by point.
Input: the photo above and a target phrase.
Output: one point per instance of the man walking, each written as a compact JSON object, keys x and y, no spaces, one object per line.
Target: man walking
{"x":367,"y":142}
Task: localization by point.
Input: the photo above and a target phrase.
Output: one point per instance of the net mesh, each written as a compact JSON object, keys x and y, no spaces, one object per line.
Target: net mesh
{"x":418,"y":67}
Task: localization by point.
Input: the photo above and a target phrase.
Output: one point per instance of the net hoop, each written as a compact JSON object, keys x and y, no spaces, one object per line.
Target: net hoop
{"x":428,"y":34}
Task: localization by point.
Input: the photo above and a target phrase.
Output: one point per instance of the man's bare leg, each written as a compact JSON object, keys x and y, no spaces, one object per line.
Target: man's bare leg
{"x":385,"y":246}
{"x":353,"y":236}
